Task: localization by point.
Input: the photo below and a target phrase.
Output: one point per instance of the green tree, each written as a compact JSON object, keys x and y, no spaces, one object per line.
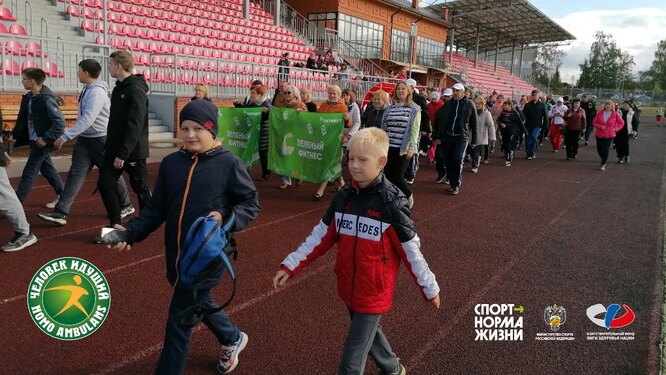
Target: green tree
{"x":656,"y":75}
{"x":607,"y":66}
{"x":546,"y":65}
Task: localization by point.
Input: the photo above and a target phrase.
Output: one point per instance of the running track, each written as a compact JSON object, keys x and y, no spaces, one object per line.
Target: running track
{"x":540,"y":232}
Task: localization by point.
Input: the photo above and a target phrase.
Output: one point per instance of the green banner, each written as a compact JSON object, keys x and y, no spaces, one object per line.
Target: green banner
{"x":238,"y":130}
{"x":305,"y":145}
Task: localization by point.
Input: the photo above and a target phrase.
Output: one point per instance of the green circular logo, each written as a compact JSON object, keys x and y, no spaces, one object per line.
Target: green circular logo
{"x":68,"y":298}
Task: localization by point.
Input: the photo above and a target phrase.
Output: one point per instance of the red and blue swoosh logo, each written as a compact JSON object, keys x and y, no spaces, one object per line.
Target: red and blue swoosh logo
{"x":610,"y":318}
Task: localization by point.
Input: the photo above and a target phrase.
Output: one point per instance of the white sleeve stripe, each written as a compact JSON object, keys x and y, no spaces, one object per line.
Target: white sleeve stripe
{"x":307,"y":247}
{"x":419,"y":267}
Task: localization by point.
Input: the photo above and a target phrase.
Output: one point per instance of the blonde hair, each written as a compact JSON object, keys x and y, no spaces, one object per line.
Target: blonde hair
{"x":408,"y":99}
{"x":204,"y":88}
{"x":336,"y":88}
{"x":373,"y":141}
{"x":294,"y":91}
{"x":381,"y":94}
{"x":306,"y":92}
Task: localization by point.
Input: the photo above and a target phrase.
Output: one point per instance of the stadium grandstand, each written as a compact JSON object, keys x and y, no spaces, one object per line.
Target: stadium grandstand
{"x":226,"y":44}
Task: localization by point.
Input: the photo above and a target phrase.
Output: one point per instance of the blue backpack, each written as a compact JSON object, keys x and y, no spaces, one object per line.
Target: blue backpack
{"x":207,"y":248}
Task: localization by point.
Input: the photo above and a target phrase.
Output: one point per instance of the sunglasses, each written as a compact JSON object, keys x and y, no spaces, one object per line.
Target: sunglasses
{"x":287,"y":92}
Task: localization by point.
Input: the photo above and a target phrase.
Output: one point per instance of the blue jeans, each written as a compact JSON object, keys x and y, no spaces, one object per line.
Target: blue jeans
{"x":88,"y":152}
{"x":477,"y":152}
{"x":38,"y":161}
{"x":177,"y":335}
{"x":531,"y":141}
{"x":454,"y":152}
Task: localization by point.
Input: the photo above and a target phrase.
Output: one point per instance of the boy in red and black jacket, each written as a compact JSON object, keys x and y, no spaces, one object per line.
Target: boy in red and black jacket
{"x":370,"y":221}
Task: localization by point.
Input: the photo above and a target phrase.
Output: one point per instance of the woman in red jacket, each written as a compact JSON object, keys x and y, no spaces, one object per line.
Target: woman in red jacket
{"x":574,"y":124}
{"x":606,"y":123}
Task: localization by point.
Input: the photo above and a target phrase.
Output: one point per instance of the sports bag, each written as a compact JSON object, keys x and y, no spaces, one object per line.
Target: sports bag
{"x":207,"y":248}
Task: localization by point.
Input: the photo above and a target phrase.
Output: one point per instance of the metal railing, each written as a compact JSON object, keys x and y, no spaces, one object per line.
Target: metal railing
{"x":323,"y":39}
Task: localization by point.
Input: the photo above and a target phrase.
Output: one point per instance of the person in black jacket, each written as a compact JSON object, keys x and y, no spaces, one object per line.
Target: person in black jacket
{"x":374,"y":112}
{"x":11,"y":207}
{"x":201,"y":179}
{"x":511,"y":127}
{"x":38,"y":124}
{"x":456,"y":127}
{"x":590,"y":112}
{"x":536,"y":118}
{"x":283,"y":71}
{"x":126,"y":147}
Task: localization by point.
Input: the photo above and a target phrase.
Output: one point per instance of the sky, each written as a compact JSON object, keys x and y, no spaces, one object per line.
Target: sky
{"x":637,"y":26}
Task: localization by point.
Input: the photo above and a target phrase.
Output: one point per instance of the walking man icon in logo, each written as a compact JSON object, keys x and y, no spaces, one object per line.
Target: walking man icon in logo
{"x":76,"y":293}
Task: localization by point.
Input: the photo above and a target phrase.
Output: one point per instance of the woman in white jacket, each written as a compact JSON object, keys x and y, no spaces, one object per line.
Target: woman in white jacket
{"x":485,"y":130}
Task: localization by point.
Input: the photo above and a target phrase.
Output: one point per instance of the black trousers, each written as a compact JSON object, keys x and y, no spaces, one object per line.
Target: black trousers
{"x":603,"y":148}
{"x":440,"y":160}
{"x":395,"y":169}
{"x":622,"y":145}
{"x":571,"y":138}
{"x":108,"y":178}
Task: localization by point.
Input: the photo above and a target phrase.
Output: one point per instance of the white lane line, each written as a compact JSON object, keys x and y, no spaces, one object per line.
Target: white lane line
{"x":236,"y":309}
{"x":419,"y":359}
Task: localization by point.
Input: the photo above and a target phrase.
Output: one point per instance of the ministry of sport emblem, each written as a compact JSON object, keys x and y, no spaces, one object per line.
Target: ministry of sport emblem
{"x":68,"y":298}
{"x":554,"y":316}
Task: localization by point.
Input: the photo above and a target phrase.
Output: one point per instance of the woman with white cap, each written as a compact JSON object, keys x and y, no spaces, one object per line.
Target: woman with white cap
{"x":556,"y":123}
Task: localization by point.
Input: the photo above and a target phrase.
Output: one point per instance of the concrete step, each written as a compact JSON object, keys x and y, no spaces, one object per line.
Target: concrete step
{"x":152,"y":115}
{"x":152,"y":137}
{"x":158,"y":129}
{"x":154,"y":122}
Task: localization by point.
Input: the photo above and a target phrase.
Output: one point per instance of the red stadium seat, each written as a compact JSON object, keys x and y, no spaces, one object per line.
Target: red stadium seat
{"x":14,"y":47}
{"x":29,"y":64}
{"x":72,"y":10}
{"x":6,"y":15}
{"x":51,"y":69}
{"x":34,"y":49}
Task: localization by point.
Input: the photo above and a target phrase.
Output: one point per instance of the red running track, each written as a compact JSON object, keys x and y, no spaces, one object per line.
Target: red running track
{"x":540,"y":232}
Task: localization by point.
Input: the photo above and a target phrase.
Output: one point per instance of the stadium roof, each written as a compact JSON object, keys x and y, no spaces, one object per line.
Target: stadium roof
{"x":514,"y":21}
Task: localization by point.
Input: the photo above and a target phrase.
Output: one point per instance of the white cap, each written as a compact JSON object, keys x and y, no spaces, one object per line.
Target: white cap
{"x":411,"y":82}
{"x":435,"y":95}
{"x":448,"y":92}
{"x":560,"y":99}
{"x":459,"y":86}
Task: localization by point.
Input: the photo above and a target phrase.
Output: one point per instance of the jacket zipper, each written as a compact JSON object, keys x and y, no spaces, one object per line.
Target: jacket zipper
{"x":182,"y":212}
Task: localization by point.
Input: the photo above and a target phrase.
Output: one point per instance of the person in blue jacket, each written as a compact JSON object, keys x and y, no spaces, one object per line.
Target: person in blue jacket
{"x":201,"y":179}
{"x":38,"y":124}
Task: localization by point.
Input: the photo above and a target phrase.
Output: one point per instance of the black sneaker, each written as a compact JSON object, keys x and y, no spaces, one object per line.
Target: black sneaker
{"x":453,"y":191}
{"x":54,"y":217}
{"x":440,"y":179}
{"x":19,"y":242}
{"x":409,"y":181}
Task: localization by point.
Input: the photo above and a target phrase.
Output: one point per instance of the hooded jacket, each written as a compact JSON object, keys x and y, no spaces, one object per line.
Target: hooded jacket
{"x":608,"y":128}
{"x":93,"y":113}
{"x":192,"y":185}
{"x":462,"y":125}
{"x":48,"y":121}
{"x":374,"y":232}
{"x":127,"y":134}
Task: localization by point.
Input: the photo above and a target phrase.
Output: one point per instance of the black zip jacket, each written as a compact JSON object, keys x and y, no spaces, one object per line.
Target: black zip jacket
{"x":219,"y":182}
{"x":464,"y":127}
{"x":127,"y":134}
{"x":536,"y":115}
{"x":47,"y":119}
{"x":372,"y":117}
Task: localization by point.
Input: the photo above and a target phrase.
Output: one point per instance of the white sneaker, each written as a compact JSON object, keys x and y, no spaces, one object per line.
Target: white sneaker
{"x":603,"y":167}
{"x":229,"y":358}
{"x":475,"y":170}
{"x":52,"y":205}
{"x":125,"y":212}
{"x":411,"y":201}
